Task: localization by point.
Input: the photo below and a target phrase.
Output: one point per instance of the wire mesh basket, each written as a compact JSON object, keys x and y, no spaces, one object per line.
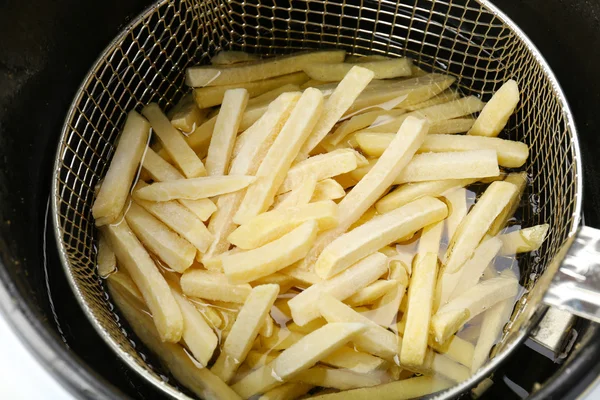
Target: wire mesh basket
{"x":468,"y":39}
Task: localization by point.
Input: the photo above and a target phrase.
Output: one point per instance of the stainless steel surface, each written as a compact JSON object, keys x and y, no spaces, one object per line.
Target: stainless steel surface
{"x":469,"y":39}
{"x":554,"y":335}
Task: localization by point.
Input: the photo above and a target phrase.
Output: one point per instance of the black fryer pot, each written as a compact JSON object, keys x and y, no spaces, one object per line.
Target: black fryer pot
{"x":46,"y":48}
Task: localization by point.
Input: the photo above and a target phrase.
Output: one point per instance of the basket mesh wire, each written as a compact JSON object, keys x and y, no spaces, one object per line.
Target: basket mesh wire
{"x":146,"y":63}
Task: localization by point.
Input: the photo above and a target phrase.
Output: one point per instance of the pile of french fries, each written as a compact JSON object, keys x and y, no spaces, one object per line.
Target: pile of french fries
{"x":301,"y":226}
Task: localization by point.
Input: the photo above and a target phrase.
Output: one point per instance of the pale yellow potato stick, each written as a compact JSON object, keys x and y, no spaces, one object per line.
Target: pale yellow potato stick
{"x":335,"y":106}
{"x":246,"y":162}
{"x":361,"y":172}
{"x":473,"y":269}
{"x":401,"y":93}
{"x":304,"y":276}
{"x":456,"y":349}
{"x":197,"y":334}
{"x":228,"y":57}
{"x":186,"y":116}
{"x":304,"y":306}
{"x":167,"y":245}
{"x":213,"y":286}
{"x":457,"y":205}
{"x":117,"y":182}
{"x":336,"y":378}
{"x":477,"y":222}
{"x":199,"y":380}
{"x":267,"y":97}
{"x":298,"y":197}
{"x":472,"y":302}
{"x":361,"y":121}
{"x":212,"y":96}
{"x":353,"y":360}
{"x":225,"y":132}
{"x":382,"y":69}
{"x":444,"y":97}
{"x":374,"y":144}
{"x":385,"y":309}
{"x":173,"y":142}
{"x":271,"y":225}
{"x":320,"y":167}
{"x":524,"y":240}
{"x":271,"y":173}
{"x":266,"y":329}
{"x":299,"y":357}
{"x":520,"y":180}
{"x":126,"y":286}
{"x":398,"y":390}
{"x":374,"y":184}
{"x":511,"y":154}
{"x":495,"y":114}
{"x":253,"y":264}
{"x":493,"y":322}
{"x":375,"y":340}
{"x":280,"y":339}
{"x":308,"y":328}
{"x":380,"y":231}
{"x":208,"y":311}
{"x":313,"y":83}
{"x":451,"y":126}
{"x":370,"y":293}
{"x":327,"y":189}
{"x":244,"y":331}
{"x":443,"y":365}
{"x":472,"y":164}
{"x":179,"y":219}
{"x":258,"y":70}
{"x":256,"y":358}
{"x":194,"y":188}
{"x":406,"y":193}
{"x":133,"y":257}
{"x":106,"y":261}
{"x":287,"y":391}
{"x":355,"y":58}
{"x":285,"y":282}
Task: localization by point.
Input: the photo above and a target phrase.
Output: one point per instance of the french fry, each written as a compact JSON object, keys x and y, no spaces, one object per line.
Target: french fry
{"x":335,"y":106}
{"x":280,"y":339}
{"x":106,"y":261}
{"x":336,"y":378}
{"x":259,"y":70}
{"x":470,"y":304}
{"x":361,"y":121}
{"x":287,"y":391}
{"x":493,"y":322}
{"x":382,"y":69}
{"x":267,"y":97}
{"x":304,"y":306}
{"x":132,"y":256}
{"x":354,"y":58}
{"x":194,"y":188}
{"x":271,"y":173}
{"x":199,"y":380}
{"x":246,"y":162}
{"x":228,"y":57}
{"x":523,"y":240}
{"x":380,"y":231}
{"x":374,"y":144}
{"x":409,"y":192}
{"x":225,"y":132}
{"x":213,"y":286}
{"x":304,"y":276}
{"x":298,"y":197}
{"x":327,"y":189}
{"x":370,"y":293}
{"x":361,"y":172}
{"x":398,"y":390}
{"x":162,"y":171}
{"x":511,"y":154}
{"x":320,"y":167}
{"x":285,"y":282}
{"x":472,"y":270}
{"x":442,"y":365}
{"x":212,"y":317}
{"x":269,"y":226}
{"x":401,"y":93}
{"x":256,"y":359}
{"x":444,"y":97}
{"x":456,"y":349}
{"x":173,"y":142}
{"x":385,"y":309}
{"x":179,"y":219}
{"x":171,"y":248}
{"x":451,"y":126}
{"x":197,"y":334}
{"x":244,"y":331}
{"x":519,"y":179}
{"x":266,"y":330}
{"x":253,"y":264}
{"x":126,"y":286}
{"x":307,"y":328}
{"x":353,"y":360}
{"x":375,"y":340}
{"x":186,"y":115}
{"x":115,"y":187}
{"x":495,"y":114}
{"x":473,"y":164}
{"x":457,"y":201}
{"x":299,"y":357}
{"x":213,"y":96}
{"x":477,"y":222}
